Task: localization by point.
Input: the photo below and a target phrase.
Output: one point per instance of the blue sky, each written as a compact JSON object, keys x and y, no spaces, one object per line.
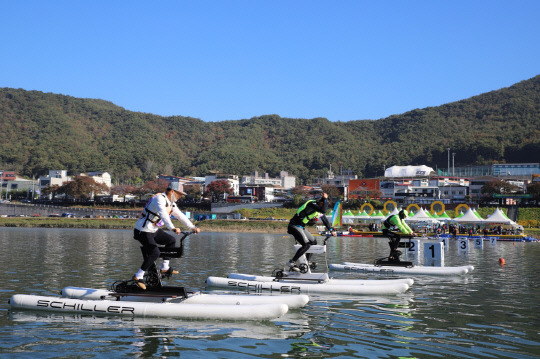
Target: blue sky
{"x":232,"y":60}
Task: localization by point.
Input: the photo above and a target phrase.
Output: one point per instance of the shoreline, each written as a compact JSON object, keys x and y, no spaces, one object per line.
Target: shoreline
{"x":211,"y":225}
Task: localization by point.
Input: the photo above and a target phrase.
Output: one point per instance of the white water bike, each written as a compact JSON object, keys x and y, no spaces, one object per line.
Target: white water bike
{"x":393,"y":259}
{"x":304,"y":266}
{"x":127,"y":298}
{"x":307,"y":282}
{"x":153,"y":277}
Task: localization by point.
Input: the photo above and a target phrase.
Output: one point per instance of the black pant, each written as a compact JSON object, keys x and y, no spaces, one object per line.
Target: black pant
{"x":150,"y":243}
{"x":393,"y":242}
{"x":302,"y":237}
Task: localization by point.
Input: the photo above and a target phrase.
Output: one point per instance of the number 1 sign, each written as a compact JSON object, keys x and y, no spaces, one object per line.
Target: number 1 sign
{"x":433,"y":251}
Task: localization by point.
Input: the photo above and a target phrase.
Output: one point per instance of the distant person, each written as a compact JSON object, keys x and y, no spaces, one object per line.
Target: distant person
{"x":307,"y":215}
{"x":453,"y":231}
{"x":147,"y":230}
{"x":393,"y":226}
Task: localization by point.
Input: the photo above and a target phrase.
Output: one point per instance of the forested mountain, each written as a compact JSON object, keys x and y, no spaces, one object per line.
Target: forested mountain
{"x":42,"y":131}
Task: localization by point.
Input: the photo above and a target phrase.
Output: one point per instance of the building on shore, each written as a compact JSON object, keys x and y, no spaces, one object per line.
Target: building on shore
{"x":99,"y":177}
{"x":10,"y":182}
{"x":341,"y":181}
{"x":232,"y":179}
{"x":60,"y":177}
{"x":54,"y":178}
{"x":284,"y":180}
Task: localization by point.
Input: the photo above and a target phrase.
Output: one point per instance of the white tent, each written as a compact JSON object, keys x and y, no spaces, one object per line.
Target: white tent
{"x":444,"y":217}
{"x":476,"y":213}
{"x":498,"y":217}
{"x":351,"y":218}
{"x":469,"y":217}
{"x":408,"y":171}
{"x":395,"y":211}
{"x":363,"y":215}
{"x":378,"y":215}
{"x":348,"y":218}
{"x":421,"y":216}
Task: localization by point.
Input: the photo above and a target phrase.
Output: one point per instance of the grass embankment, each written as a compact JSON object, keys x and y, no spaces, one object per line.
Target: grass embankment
{"x":114,"y":223}
{"x":64,"y":222}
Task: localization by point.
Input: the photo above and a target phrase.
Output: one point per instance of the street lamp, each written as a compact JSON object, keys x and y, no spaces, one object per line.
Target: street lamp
{"x":448,"y":161}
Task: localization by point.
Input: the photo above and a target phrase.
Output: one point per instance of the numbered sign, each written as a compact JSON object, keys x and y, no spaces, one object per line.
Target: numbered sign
{"x":478,"y":242}
{"x":493,"y":241}
{"x":433,"y":251}
{"x":413,"y":247}
{"x":463,"y":245}
{"x":444,"y":241}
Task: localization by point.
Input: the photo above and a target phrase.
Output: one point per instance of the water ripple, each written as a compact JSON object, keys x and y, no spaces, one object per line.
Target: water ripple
{"x":492,"y":313}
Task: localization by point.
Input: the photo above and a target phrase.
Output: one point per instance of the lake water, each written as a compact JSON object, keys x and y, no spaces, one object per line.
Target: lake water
{"x":492,"y":313}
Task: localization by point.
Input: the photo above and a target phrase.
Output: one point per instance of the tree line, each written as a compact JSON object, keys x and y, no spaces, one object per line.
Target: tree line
{"x":43,"y":131}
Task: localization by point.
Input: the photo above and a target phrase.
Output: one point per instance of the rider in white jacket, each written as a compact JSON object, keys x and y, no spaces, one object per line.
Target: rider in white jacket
{"x":155,"y":214}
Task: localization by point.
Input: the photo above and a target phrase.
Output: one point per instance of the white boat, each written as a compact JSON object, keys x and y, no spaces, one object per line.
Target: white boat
{"x":292,"y":301}
{"x":332,"y":286}
{"x":307,"y":282}
{"x":332,"y":281}
{"x":146,"y":309}
{"x":414,"y":270}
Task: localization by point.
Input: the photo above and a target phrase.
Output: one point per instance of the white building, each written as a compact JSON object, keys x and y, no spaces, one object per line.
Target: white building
{"x":55,"y":178}
{"x":100,"y":177}
{"x":59,"y":177}
{"x":232,"y":179}
{"x":340,"y":181}
{"x":454,"y":193}
{"x":178,"y":183}
{"x":424,"y":189}
{"x":284,"y":180}
{"x":408,"y":171}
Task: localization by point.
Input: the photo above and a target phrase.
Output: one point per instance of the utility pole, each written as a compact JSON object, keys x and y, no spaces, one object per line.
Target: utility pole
{"x":453,"y":168}
{"x":448,"y":161}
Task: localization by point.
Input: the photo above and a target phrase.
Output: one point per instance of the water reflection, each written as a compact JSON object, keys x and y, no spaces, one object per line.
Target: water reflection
{"x":491,"y":313}
{"x":293,"y":324}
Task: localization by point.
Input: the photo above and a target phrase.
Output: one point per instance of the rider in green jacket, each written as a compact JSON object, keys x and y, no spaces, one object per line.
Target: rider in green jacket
{"x":307,"y":215}
{"x":393,"y":226}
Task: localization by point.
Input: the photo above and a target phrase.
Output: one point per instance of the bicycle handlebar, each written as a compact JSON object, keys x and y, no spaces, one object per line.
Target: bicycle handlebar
{"x":326,"y":237}
{"x":186,"y":234}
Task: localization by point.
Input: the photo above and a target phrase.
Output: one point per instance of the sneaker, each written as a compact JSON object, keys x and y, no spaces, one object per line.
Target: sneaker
{"x":169,"y":271}
{"x":293,"y":267}
{"x":139,"y":283}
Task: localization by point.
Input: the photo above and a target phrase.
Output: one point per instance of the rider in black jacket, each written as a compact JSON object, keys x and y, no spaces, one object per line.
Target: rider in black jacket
{"x":307,"y":215}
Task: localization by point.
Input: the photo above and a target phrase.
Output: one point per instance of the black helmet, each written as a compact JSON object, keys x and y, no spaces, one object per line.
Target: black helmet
{"x":403,"y":213}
